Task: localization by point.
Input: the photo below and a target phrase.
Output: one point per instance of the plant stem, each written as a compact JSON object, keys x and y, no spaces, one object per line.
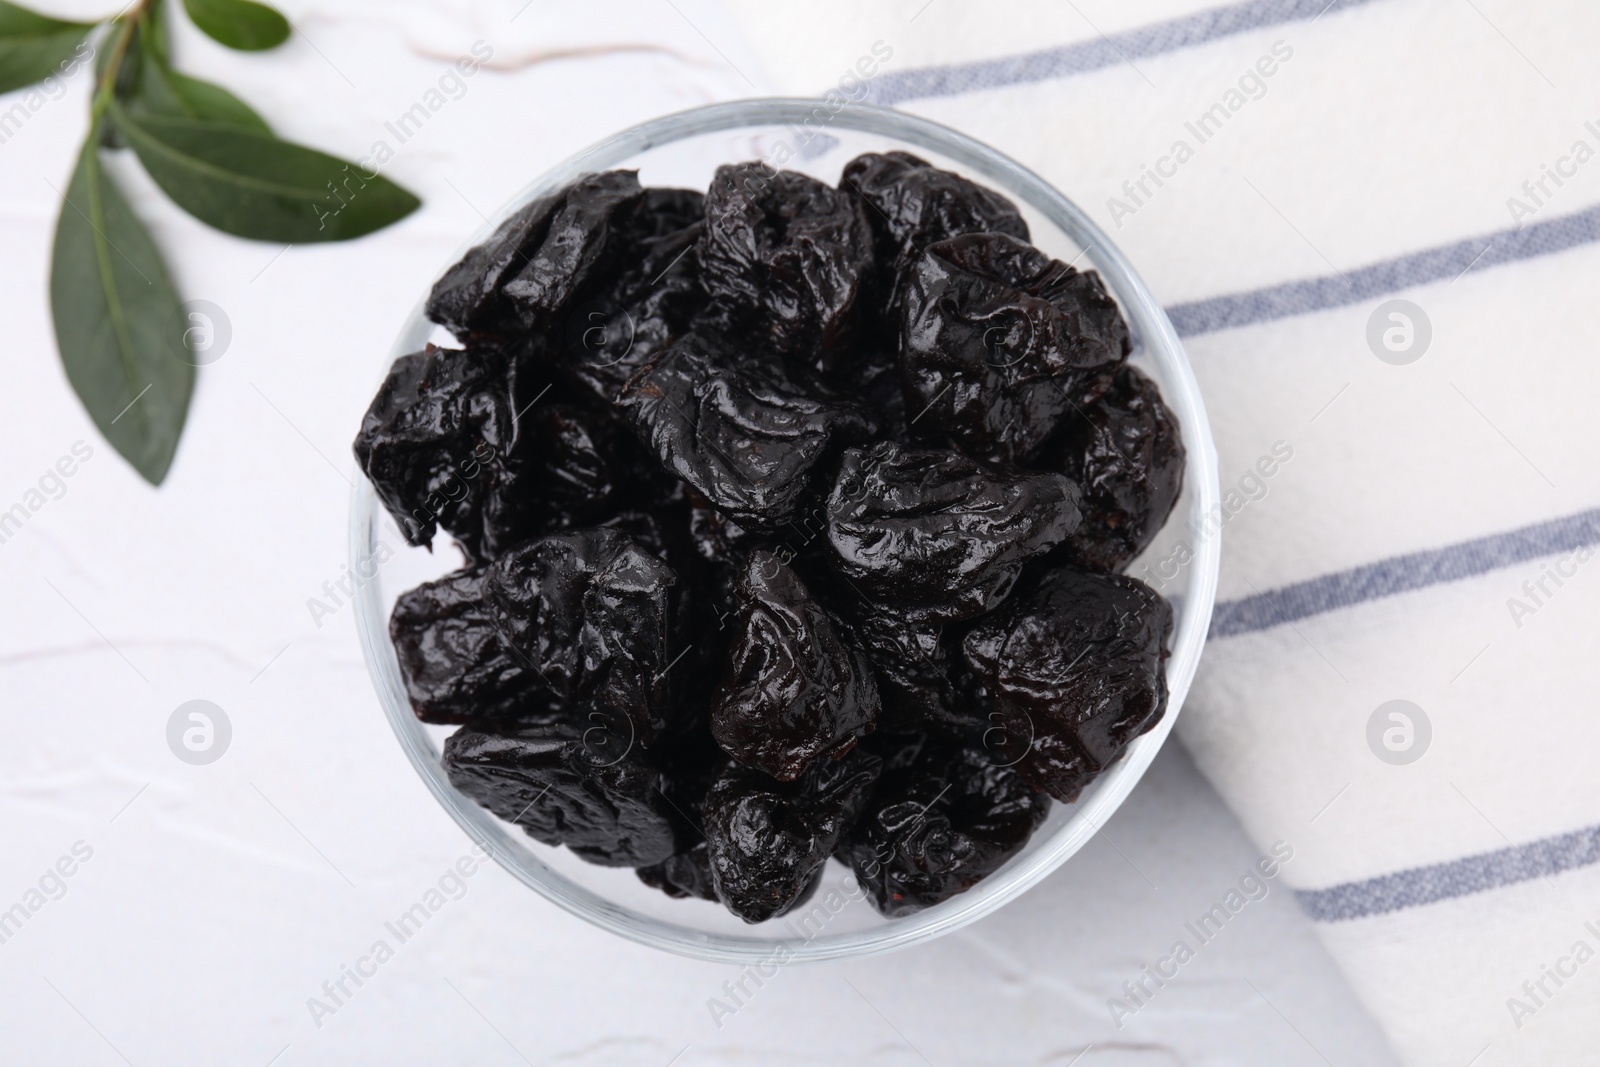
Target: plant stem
{"x":125,"y":27}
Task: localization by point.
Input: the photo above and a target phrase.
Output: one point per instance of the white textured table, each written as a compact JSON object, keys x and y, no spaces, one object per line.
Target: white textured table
{"x":216,"y":900}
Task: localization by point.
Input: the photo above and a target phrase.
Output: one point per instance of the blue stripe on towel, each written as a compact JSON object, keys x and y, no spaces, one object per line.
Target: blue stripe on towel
{"x":1388,"y":276}
{"x":1084,"y":56}
{"x":1457,"y":878}
{"x":1399,"y":574}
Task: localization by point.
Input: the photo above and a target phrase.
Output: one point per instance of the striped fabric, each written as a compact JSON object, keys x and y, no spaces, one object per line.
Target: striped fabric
{"x":1090,"y":55}
{"x":1430,"y":540}
{"x":1400,"y":574}
{"x":1444,"y":881}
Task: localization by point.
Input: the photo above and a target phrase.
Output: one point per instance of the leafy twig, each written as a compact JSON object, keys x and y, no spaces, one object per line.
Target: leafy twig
{"x":121,"y":327}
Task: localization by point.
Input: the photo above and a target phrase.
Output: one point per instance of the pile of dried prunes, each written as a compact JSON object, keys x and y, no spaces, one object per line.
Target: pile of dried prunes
{"x":794,"y":519}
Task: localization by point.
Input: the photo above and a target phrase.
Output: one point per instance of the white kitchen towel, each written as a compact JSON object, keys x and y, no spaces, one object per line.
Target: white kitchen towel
{"x":1377,"y":225}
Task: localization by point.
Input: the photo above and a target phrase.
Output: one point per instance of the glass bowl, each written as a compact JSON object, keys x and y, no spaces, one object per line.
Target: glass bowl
{"x":812,"y":136}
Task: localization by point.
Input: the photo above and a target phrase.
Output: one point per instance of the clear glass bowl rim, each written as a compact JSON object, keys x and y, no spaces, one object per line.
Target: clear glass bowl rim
{"x":1182,"y":393}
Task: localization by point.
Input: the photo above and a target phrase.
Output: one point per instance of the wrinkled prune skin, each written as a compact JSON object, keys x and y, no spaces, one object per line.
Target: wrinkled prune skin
{"x":741,"y":429}
{"x":912,"y":669}
{"x":785,"y":258}
{"x":455,"y":665}
{"x":935,"y":535}
{"x":942,"y":818}
{"x":599,"y":619}
{"x":995,"y":334}
{"x":661,"y":533}
{"x":716,"y":537}
{"x":1122,"y":446}
{"x":469,"y":298}
{"x":768,"y":841}
{"x":1072,"y":672}
{"x":912,"y":204}
{"x":561,"y":793}
{"x":794,"y":692}
{"x":665,"y":211}
{"x":442,"y":447}
{"x":650,"y":303}
{"x":586,"y":237}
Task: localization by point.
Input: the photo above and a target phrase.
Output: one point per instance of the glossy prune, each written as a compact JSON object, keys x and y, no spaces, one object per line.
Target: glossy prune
{"x":995,"y":332}
{"x":935,"y":535}
{"x":768,"y":841}
{"x":942,"y":818}
{"x":785,"y":258}
{"x":599,"y":619}
{"x":912,"y":204}
{"x":912,"y":669}
{"x":469,"y":298}
{"x":1122,"y":446}
{"x":794,"y":692}
{"x":441,"y":445}
{"x":741,"y":429}
{"x":716,"y":537}
{"x":1072,"y":672}
{"x":648,"y":304}
{"x":455,"y":665}
{"x":562,"y":792}
{"x":586,"y":237}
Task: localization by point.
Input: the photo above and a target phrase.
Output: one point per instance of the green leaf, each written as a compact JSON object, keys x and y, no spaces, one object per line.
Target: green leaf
{"x":118,"y":321}
{"x":32,"y":46}
{"x":208,"y":102}
{"x":240,"y":24}
{"x":253,"y":185}
{"x":165,"y":92}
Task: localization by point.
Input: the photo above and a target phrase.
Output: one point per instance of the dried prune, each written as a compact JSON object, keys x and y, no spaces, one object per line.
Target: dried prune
{"x":455,"y":665}
{"x":441,"y":446}
{"x":912,"y":669}
{"x":768,"y":841}
{"x":995,"y":331}
{"x":585,"y":237}
{"x":716,"y":537}
{"x":912,"y":204}
{"x":648,"y":304}
{"x":941,"y":819}
{"x":600,"y":620}
{"x":664,"y":212}
{"x":1121,"y":444}
{"x":794,"y":692}
{"x":468,"y":299}
{"x":934,"y":534}
{"x":785,"y":258}
{"x":660,"y":531}
{"x":1072,"y":672}
{"x":561,"y":793}
{"x":741,"y":429}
